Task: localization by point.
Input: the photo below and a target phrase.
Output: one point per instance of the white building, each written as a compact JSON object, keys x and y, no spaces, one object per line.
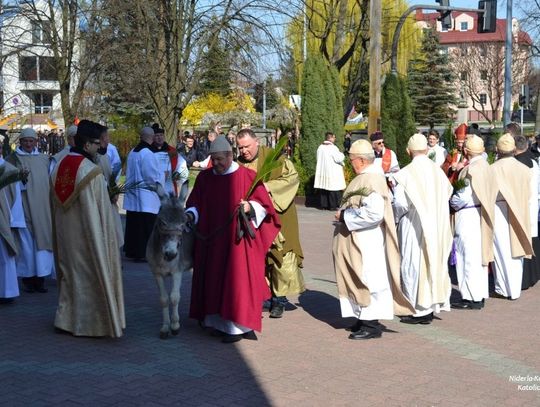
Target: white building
{"x":30,"y":94}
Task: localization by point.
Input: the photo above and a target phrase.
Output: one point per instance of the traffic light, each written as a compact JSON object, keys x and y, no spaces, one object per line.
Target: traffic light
{"x":487,"y":21}
{"x":446,"y":16}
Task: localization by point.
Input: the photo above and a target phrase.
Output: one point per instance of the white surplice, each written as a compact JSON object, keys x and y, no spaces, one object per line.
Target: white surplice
{"x":365,"y":224}
{"x":471,"y":274}
{"x":431,"y":190}
{"x":9,"y":286}
{"x":329,"y":171}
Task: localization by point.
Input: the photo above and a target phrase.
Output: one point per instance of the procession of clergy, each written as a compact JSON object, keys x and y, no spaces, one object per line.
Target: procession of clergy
{"x":396,"y":229}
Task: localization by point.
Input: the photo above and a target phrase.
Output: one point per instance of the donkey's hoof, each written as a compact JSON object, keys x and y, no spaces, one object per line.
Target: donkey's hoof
{"x":164,"y":335}
{"x":175,"y":331}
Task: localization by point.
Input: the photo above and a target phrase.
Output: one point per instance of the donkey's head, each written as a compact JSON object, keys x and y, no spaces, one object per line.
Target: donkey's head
{"x":170,"y":223}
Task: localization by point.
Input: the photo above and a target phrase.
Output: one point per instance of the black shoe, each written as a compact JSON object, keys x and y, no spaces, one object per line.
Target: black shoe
{"x":355,"y":327}
{"x":497,"y":295}
{"x":228,"y":338}
{"x":365,"y":334}
{"x":7,"y":300}
{"x":267,"y":305}
{"x":41,"y":289}
{"x":29,"y":289}
{"x":424,"y":320}
{"x":250,"y":335}
{"x":277,"y":310}
{"x":466,"y":304}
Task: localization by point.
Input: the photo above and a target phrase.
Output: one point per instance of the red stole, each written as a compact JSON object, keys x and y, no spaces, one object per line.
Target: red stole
{"x":386,"y":160}
{"x":66,"y":176}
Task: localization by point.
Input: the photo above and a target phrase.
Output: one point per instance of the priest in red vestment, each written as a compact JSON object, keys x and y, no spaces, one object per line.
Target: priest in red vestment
{"x":229,"y":284}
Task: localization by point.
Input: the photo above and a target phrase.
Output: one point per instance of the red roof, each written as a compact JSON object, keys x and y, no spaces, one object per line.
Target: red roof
{"x":457,"y":36}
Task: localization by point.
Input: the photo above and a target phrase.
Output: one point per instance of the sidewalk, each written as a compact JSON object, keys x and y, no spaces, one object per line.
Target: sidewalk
{"x":477,"y":358}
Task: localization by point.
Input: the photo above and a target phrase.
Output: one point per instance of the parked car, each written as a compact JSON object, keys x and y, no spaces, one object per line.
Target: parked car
{"x":528,"y":116}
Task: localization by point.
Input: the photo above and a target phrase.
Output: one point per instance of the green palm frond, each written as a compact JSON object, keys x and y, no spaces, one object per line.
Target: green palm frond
{"x":432,"y":156}
{"x":117,"y":189}
{"x":12,"y":176}
{"x":491,"y":157}
{"x":361,"y":192}
{"x":459,"y":184}
{"x":270,"y":163}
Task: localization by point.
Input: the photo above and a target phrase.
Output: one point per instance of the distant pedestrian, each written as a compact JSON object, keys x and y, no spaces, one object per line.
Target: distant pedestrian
{"x":329,"y":176}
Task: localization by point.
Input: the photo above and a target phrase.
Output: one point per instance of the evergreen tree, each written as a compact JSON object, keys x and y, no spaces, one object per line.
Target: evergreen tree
{"x":217,"y":75}
{"x":430,"y":83}
{"x":314,"y":114}
{"x":322,"y":110}
{"x":396,"y":117}
{"x":272,"y":98}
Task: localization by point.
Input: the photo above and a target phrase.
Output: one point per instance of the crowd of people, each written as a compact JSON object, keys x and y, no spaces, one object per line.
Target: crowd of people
{"x":398,"y":230}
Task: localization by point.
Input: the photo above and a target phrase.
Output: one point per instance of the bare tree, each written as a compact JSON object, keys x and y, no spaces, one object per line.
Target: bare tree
{"x":158,"y":46}
{"x":480,"y":71}
{"x":63,"y":33}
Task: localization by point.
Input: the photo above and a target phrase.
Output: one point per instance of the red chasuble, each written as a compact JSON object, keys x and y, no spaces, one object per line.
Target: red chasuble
{"x":64,"y":186}
{"x":228,"y":274}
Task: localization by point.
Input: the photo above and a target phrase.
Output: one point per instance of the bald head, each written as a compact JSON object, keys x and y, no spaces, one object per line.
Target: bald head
{"x":147,"y":135}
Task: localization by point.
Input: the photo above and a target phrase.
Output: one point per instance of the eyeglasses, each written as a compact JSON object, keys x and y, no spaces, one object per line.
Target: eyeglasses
{"x":96,"y":142}
{"x":378,"y":143}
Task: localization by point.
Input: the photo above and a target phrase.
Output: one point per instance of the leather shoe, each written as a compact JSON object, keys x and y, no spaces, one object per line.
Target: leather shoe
{"x":424,"y":320}
{"x":365,"y":334}
{"x":466,"y":304}
{"x":277,"y":310}
{"x":355,"y":327}
{"x":250,"y":335}
{"x":267,"y":305}
{"x":228,"y":338}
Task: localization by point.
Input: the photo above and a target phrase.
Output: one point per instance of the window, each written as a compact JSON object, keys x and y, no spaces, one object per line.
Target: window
{"x":483,"y":98}
{"x":28,"y":69}
{"x":464,"y":26}
{"x":42,"y":102}
{"x":41,"y":32}
{"x":37,"y":69}
{"x":483,"y":75}
{"x":463,"y":75}
{"x":47,"y":71}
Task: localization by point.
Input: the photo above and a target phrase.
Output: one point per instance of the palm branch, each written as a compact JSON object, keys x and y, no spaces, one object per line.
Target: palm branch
{"x":271,"y":162}
{"x":117,"y":189}
{"x":459,"y":184}
{"x":362,"y":192}
{"x":432,"y":156}
{"x":491,"y":157}
{"x":12,"y":176}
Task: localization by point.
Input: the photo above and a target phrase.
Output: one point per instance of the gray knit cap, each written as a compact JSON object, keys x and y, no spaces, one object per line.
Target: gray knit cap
{"x":219,"y":145}
{"x":28,"y":133}
{"x":71,"y":131}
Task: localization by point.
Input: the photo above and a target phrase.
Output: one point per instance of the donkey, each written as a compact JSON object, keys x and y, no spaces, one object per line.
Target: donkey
{"x":169,"y":253}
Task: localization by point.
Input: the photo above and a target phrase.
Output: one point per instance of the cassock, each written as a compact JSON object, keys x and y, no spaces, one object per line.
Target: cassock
{"x":89,"y":273}
{"x":286,"y":255}
{"x":35,"y":256}
{"x":171,"y":165}
{"x":329,"y":176}
{"x":425,"y":237}
{"x":366,"y":253}
{"x":229,"y":285}
{"x":141,"y":204}
{"x":473,"y":236}
{"x":11,"y":219}
{"x":531,"y":267}
{"x":513,"y":240}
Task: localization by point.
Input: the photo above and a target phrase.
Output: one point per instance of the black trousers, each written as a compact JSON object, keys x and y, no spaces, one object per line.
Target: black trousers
{"x":330,"y":199}
{"x":139,"y":226}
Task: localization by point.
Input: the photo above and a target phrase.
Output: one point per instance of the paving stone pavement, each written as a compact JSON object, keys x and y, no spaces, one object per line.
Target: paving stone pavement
{"x":476,"y":358}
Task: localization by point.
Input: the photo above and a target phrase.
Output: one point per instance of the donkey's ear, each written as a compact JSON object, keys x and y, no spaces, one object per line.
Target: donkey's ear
{"x":161,"y":192}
